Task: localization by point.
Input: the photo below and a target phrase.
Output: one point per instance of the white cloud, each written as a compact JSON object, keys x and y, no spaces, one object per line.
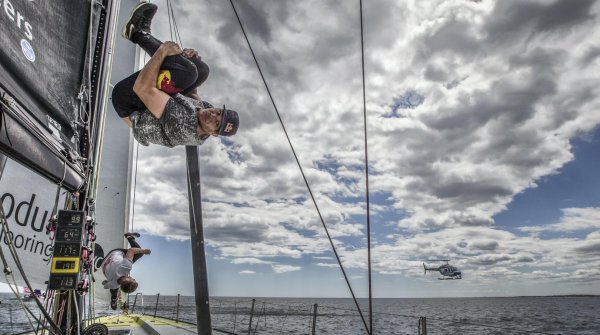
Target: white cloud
{"x":281,"y":268}
{"x":573,"y":219}
{"x":248,"y":260}
{"x":328,"y":265}
{"x":506,"y":87}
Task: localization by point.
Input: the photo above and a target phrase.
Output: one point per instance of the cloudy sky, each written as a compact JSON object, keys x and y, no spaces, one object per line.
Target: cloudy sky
{"x":483,"y":145}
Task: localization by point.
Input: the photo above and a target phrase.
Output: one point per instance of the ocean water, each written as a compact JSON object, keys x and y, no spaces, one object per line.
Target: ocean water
{"x":469,"y":316}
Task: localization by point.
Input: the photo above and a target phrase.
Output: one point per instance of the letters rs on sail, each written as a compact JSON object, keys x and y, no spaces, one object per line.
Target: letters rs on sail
{"x":8,"y":11}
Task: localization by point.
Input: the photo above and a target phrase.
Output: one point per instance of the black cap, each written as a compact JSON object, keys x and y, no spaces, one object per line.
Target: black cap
{"x":229,"y":122}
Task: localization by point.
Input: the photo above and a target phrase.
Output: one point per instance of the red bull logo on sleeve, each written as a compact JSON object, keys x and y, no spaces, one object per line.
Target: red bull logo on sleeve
{"x":165,"y":83}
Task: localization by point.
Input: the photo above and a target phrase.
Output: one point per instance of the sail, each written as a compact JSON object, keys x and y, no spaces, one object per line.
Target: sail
{"x":42,"y":62}
{"x":28,"y":200}
{"x":41,"y":122}
{"x":115,"y":184}
{"x":42,"y":56}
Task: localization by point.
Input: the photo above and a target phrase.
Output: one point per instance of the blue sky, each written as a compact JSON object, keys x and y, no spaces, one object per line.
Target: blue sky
{"x":576,"y":184}
{"x":483,"y":139}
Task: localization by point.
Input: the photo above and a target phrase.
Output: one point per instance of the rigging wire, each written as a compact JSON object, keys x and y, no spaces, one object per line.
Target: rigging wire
{"x":137,"y":154}
{"x":171,"y":16}
{"x":17,"y":261}
{"x":301,"y":170}
{"x":175,"y":29}
{"x":7,"y":272}
{"x":95,"y":124}
{"x":47,"y":302}
{"x":362,"y":54}
{"x":3,"y":119}
{"x":52,"y":214}
{"x":78,"y":325}
{"x":170,"y":24}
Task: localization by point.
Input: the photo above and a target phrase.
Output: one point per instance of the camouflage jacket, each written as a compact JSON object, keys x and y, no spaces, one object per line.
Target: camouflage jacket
{"x":177,"y":126}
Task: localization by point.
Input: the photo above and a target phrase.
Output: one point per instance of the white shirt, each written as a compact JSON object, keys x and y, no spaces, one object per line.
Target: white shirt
{"x":115,"y":266}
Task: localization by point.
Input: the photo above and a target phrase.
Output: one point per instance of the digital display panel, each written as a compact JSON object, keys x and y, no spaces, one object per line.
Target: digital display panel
{"x":62,"y":282}
{"x":72,"y":249}
{"x":64,"y":272}
{"x":66,"y":233}
{"x":65,"y":265}
{"x":70,"y":218}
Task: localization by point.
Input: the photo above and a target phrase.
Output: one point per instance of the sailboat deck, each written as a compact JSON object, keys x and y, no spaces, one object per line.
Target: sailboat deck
{"x":135,"y":324}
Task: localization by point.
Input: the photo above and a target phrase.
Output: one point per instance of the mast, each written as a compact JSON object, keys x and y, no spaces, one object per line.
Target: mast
{"x":197,"y":239}
{"x":95,"y":81}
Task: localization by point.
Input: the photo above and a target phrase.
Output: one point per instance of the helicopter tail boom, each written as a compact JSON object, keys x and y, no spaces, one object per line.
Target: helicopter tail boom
{"x":425,"y":269}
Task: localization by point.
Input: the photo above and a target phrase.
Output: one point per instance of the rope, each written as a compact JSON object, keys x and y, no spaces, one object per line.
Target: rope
{"x":15,"y":257}
{"x":14,"y":290}
{"x":362,"y":53}
{"x":7,"y":269}
{"x":137,"y":154}
{"x":3,"y":120}
{"x":170,"y":24}
{"x":78,"y":325}
{"x":175,"y":29}
{"x":52,"y":214}
{"x":301,"y":170}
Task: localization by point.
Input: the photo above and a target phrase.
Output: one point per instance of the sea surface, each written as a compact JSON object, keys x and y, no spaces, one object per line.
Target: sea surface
{"x":476,"y":316}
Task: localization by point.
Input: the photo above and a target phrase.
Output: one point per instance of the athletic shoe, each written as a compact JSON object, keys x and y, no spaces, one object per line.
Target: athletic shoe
{"x":140,"y":20}
{"x":128,"y":235}
{"x":113,"y":303}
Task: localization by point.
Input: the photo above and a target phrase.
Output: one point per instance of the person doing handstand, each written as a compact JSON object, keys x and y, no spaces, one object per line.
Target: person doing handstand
{"x":116,"y":268}
{"x":160,"y":102}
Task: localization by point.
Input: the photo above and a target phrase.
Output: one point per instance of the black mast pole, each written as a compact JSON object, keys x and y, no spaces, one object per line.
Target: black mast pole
{"x":197,"y":238}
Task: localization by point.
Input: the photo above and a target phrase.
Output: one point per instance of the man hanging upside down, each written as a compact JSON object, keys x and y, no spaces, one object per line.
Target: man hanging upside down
{"x":116,"y":268}
{"x":160,"y":102}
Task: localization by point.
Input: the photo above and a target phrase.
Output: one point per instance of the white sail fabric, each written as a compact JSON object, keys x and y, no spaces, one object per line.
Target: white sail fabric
{"x":28,"y":200}
{"x":116,"y":163}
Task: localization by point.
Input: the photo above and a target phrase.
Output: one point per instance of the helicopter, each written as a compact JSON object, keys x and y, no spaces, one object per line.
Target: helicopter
{"x":448,"y":271}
